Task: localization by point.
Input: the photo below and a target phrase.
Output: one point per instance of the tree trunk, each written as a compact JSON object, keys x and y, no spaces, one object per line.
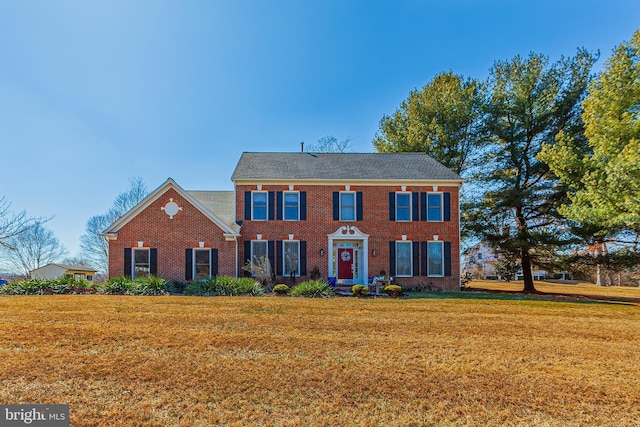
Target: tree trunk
{"x":526,"y":271}
{"x":525,"y":258}
{"x":599,"y":280}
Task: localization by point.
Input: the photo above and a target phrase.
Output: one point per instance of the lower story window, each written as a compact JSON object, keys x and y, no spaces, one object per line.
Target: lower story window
{"x":403,"y":259}
{"x":259,"y":253}
{"x":202,"y":263}
{"x":435,"y":265}
{"x":291,"y":257}
{"x":141,"y":263}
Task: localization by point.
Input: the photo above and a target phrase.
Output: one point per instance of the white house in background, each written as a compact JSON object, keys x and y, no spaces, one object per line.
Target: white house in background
{"x":481,"y":261}
{"x":55,"y":271}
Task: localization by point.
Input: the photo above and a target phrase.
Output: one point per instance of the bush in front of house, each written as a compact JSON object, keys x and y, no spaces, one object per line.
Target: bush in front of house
{"x":392,"y":290}
{"x":63,"y":285}
{"x":281,"y":289}
{"x":114,"y":286}
{"x":359,"y":290}
{"x":312,"y":289}
{"x":225,"y":285}
{"x":125,"y":286}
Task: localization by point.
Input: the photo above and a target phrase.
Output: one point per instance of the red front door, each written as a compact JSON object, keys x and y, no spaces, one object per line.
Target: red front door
{"x":345,"y":263}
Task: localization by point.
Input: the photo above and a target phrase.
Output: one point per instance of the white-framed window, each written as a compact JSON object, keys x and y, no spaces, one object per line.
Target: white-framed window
{"x":291,"y":257}
{"x":347,"y":206}
{"x":141,"y":265}
{"x":403,"y":206}
{"x":259,"y":249}
{"x":404,"y":257}
{"x":291,"y":205}
{"x":201,"y":264}
{"x":435,"y":262}
{"x":434,"y":207}
{"x":259,"y":205}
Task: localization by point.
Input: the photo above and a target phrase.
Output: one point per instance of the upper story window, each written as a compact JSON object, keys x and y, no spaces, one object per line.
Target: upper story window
{"x":259,"y":205}
{"x":404,"y":256}
{"x":403,"y":206}
{"x":434,"y":207}
{"x":291,"y":206}
{"x":141,"y":263}
{"x":347,"y":206}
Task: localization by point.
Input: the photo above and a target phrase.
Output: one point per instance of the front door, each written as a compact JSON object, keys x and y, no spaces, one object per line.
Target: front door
{"x":345,"y":263}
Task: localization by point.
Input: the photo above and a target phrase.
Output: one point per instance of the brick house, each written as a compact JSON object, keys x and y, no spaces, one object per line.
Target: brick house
{"x":348,"y":215}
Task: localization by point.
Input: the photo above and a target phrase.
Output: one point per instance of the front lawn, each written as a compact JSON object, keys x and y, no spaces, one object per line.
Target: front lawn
{"x":123,"y":360}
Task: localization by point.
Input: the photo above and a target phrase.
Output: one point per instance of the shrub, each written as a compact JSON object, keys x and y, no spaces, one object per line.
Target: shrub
{"x":359,"y":290}
{"x":313,"y":289}
{"x":27,"y":287}
{"x":392,"y":290}
{"x":225,"y":285}
{"x":148,"y":286}
{"x":281,"y":289}
{"x":176,"y":287}
{"x":115,"y":286}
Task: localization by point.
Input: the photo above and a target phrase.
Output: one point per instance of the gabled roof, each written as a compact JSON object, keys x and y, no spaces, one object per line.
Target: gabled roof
{"x":341,"y":166}
{"x":213,"y":204}
{"x":67,"y":267}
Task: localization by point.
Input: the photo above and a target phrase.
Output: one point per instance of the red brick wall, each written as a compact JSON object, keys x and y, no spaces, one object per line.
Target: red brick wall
{"x":375,"y":222}
{"x":171,"y":237}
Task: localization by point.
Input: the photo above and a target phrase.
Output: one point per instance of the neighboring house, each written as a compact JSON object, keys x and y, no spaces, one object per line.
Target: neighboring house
{"x":481,"y":261}
{"x":348,"y":215}
{"x":55,"y":271}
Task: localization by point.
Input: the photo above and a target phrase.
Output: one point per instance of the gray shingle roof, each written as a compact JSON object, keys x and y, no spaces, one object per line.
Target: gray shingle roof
{"x":220,"y":203}
{"x":341,"y":166}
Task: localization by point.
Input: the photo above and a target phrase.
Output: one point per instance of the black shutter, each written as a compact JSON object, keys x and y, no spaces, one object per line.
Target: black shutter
{"x":247,"y":251}
{"x":214,"y":262}
{"x":247,"y":256}
{"x":303,"y":205}
{"x":336,"y":206}
{"x":188,"y":264}
{"x":359,"y":212}
{"x":279,"y":249}
{"x":271,"y":204}
{"x":415,"y":209}
{"x":127,"y":263}
{"x":271,"y":253}
{"x":416,"y":258}
{"x":247,"y":205}
{"x":279,"y":207}
{"x":446,"y":201}
{"x":303,"y":258}
{"x":447,"y":258}
{"x":392,"y":258}
{"x":392,"y":206}
{"x":424,"y":258}
{"x":153,"y":261}
{"x":423,"y":207}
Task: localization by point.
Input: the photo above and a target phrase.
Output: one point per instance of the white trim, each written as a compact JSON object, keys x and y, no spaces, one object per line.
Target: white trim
{"x":133,"y":259}
{"x":112,"y":230}
{"x":266,"y":204}
{"x":284,"y":261}
{"x":193,"y":261}
{"x":350,"y":232}
{"x":356,"y":183}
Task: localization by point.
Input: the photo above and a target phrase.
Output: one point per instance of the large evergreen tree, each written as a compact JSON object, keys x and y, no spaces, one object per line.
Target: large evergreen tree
{"x":528,"y":103}
{"x":440,"y":120}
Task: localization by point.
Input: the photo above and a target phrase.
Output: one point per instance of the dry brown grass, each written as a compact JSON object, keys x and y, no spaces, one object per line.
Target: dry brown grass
{"x":193,"y":361}
{"x":561,"y":288}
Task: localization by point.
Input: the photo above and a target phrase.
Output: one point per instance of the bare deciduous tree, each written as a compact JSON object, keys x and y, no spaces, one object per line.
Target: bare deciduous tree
{"x":35,"y":247}
{"x":12,"y":224}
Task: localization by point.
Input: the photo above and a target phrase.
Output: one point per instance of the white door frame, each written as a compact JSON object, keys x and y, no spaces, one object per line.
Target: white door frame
{"x":352,"y":233}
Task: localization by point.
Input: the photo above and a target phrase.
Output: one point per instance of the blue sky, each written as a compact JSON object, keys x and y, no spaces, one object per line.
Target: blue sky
{"x":93,"y":93}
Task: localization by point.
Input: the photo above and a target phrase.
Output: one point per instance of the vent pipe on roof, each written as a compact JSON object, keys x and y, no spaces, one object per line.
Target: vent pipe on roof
{"x":302,"y":147}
